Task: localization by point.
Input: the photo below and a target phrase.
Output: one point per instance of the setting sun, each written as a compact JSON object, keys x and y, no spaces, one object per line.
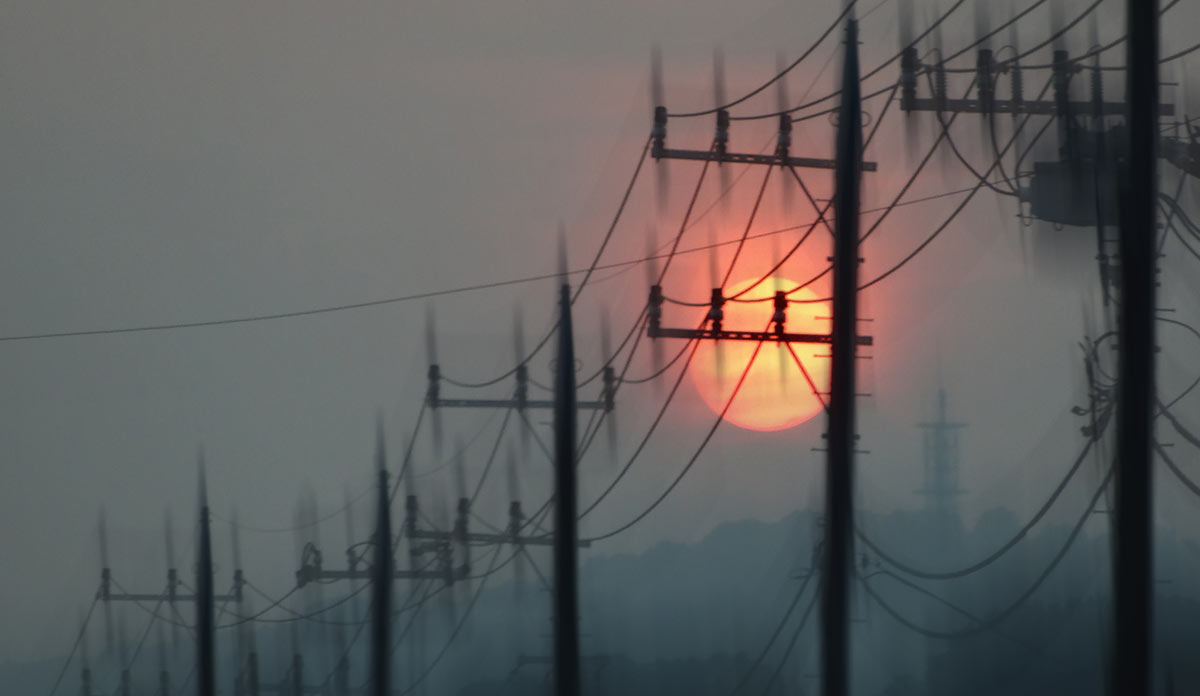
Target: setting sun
{"x":775,"y":394}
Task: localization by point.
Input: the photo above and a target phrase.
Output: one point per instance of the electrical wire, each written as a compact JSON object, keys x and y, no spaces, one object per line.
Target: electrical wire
{"x":684,"y":225}
{"x":587,"y":275}
{"x":778,"y":76}
{"x":75,"y":645}
{"x":457,"y":629}
{"x":491,"y":458}
{"x":295,"y":528}
{"x":821,"y":213}
{"x":1183,"y":478}
{"x":138,"y":649}
{"x":408,"y":452}
{"x":871,"y":73}
{"x":787,"y":653}
{"x":749,"y":224}
{"x":958,"y":154}
{"x":994,"y":620}
{"x":613,"y":225}
{"x":762,"y":655}
{"x":148,"y":610}
{"x":941,"y":228}
{"x":1004,"y":548}
{"x":460,"y":451}
{"x":296,"y":615}
{"x":649,"y":432}
{"x":258,"y":616}
{"x":945,"y":602}
{"x":688,"y":467}
{"x":997,"y":30}
{"x":418,"y":296}
{"x":659,"y":372}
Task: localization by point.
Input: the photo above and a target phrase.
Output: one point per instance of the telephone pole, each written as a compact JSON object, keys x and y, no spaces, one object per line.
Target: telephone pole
{"x":1132,"y":551}
{"x":206,"y":678}
{"x":839,"y":468}
{"x":566,"y":601}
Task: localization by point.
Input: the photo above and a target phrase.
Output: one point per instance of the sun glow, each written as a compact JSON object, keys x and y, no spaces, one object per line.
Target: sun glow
{"x":776,"y":394}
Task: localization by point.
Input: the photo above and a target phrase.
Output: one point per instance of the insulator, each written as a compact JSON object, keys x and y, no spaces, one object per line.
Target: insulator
{"x":1062,"y":79}
{"x":908,"y":78}
{"x":105,"y":584}
{"x":983,"y":77}
{"x":447,"y":560}
{"x":172,"y":583}
{"x":460,"y":525}
{"x":780,"y":315}
{"x":522,"y":395}
{"x":410,"y":513}
{"x":433,"y":393}
{"x":716,"y":311}
{"x":238,"y":581}
{"x":1097,"y":93}
{"x":722,"y":136}
{"x":1018,"y":90}
{"x":785,"y":135}
{"x":609,"y":375}
{"x":514,"y":517}
{"x":654,"y":306}
{"x":939,"y":77}
{"x":658,"y":133}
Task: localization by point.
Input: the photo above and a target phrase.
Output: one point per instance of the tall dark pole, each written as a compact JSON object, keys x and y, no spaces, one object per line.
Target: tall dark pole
{"x":839,"y":469}
{"x":566,"y":609}
{"x":206,"y":678}
{"x":1130,"y":661}
{"x":381,"y":581}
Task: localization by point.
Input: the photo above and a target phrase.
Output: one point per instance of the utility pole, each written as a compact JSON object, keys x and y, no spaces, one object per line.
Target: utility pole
{"x":1075,"y":188}
{"x":566,"y":601}
{"x":206,"y":682}
{"x":381,"y":581}
{"x":839,"y":469}
{"x":843,"y":339}
{"x":1130,"y":660}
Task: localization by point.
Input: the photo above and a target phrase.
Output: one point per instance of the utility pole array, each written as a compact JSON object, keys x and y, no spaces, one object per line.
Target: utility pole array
{"x":1117,"y":158}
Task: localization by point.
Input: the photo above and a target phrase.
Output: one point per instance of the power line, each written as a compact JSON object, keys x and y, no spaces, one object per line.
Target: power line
{"x":787,"y":653}
{"x":75,"y":646}
{"x":1183,"y":478}
{"x":1021,"y":599}
{"x":868,"y":75}
{"x":587,"y":275}
{"x":398,"y":299}
{"x":778,"y":76}
{"x":1004,"y":548}
{"x":458,"y":627}
{"x":691,"y":462}
{"x":646,"y":438}
{"x":762,"y":655}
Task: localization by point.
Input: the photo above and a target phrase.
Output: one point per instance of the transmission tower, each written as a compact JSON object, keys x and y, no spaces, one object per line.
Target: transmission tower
{"x":941,"y":454}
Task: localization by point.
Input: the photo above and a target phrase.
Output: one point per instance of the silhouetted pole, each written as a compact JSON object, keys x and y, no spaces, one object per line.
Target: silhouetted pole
{"x":381,"y":581}
{"x":566,"y":603}
{"x":839,"y":469}
{"x":297,"y":674}
{"x":252,"y":670}
{"x":206,"y":682}
{"x":1130,"y":661}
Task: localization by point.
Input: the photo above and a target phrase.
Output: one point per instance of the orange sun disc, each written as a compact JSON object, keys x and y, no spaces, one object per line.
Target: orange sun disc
{"x":776,"y":394}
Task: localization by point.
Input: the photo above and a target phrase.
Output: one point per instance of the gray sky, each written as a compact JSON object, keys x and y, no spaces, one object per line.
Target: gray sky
{"x":176,"y":162}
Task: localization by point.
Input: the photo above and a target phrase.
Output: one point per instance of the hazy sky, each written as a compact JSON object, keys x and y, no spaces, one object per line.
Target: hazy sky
{"x":175,"y":162}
